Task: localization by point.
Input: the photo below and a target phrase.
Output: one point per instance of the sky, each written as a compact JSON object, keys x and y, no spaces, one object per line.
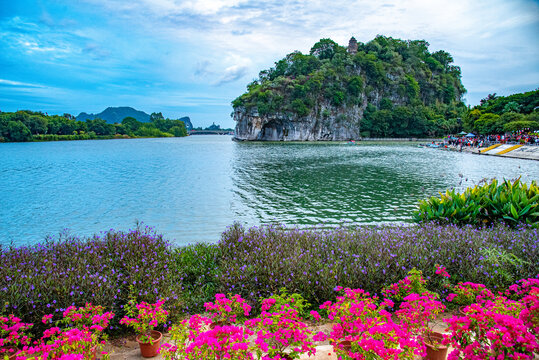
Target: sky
{"x":192,"y":58}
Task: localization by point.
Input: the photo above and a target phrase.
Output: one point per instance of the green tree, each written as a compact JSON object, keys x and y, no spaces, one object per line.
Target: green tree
{"x":37,"y":124}
{"x":178,"y":131}
{"x":519,"y":125}
{"x":100,"y":127}
{"x":156,"y":116}
{"x":324,"y":49}
{"x":488,"y":124}
{"x":17,"y":131}
{"x":131,"y":124}
{"x":511,"y":106}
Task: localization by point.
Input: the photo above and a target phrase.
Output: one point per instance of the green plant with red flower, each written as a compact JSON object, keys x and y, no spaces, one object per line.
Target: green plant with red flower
{"x":417,"y":314}
{"x":227,"y":309}
{"x":279,"y":328}
{"x":57,"y":343}
{"x":295,"y":300}
{"x":413,"y":283}
{"x":89,"y":317}
{"x":182,"y":335}
{"x":491,"y":331}
{"x":467,"y":293}
{"x":13,"y":334}
{"x":530,"y":314}
{"x":192,"y":340}
{"x":144,"y":318}
{"x":369,"y":329}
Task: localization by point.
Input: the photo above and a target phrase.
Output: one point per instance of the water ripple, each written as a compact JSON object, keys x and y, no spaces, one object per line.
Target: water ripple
{"x":190,"y":189}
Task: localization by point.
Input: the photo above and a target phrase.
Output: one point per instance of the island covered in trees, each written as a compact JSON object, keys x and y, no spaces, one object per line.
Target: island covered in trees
{"x":28,"y":125}
{"x":384,"y":88}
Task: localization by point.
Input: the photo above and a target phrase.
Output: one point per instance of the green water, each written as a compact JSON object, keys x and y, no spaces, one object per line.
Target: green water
{"x":191,"y":188}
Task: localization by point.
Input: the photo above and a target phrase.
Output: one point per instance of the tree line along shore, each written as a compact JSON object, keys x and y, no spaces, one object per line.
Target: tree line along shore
{"x":25,"y":125}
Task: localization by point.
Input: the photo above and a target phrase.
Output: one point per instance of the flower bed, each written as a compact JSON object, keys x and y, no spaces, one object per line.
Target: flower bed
{"x":494,"y":326}
{"x":50,"y":277}
{"x":254,"y":263}
{"x":257,"y":262}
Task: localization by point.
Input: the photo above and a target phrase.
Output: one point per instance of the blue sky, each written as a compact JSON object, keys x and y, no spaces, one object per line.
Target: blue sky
{"x":192,"y":58}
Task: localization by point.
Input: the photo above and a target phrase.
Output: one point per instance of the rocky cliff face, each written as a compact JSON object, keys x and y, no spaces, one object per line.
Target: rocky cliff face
{"x":326,"y":124}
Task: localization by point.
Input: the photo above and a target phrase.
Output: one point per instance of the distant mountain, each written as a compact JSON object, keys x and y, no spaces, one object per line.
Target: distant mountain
{"x":187,"y":122}
{"x":115,"y":115}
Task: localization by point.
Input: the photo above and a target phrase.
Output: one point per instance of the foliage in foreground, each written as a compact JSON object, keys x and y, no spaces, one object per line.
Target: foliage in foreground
{"x":509,"y":202}
{"x":255,"y":263}
{"x":50,"y":277}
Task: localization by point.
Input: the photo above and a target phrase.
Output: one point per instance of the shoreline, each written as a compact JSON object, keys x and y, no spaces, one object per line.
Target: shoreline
{"x":515,"y":151}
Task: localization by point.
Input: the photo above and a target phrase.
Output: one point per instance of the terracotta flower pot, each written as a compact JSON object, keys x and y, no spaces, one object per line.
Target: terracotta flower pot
{"x":219,"y":323}
{"x":147,"y":349}
{"x":286,"y":356}
{"x":461,"y":310}
{"x":93,"y":352}
{"x":435,"y":351}
{"x":345,"y":345}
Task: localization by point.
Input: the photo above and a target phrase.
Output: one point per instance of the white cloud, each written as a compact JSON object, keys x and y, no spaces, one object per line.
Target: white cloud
{"x":194,"y":45}
{"x":5,"y":82}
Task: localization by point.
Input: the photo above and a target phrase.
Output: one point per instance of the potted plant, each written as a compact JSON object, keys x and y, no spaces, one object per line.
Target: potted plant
{"x":225,"y":311}
{"x":91,"y":318}
{"x":417,"y":313}
{"x":364,"y":329}
{"x":191,"y":339}
{"x":12,"y":335}
{"x":467,"y":293}
{"x":278,"y":328}
{"x":144,"y":318}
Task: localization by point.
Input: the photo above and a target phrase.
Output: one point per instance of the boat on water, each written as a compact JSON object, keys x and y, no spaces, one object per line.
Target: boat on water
{"x":432,"y":145}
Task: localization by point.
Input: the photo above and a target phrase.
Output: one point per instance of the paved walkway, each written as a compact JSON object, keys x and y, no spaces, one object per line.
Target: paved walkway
{"x":529,"y":152}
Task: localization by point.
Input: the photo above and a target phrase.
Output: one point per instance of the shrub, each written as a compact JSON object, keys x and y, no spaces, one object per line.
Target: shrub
{"x":508,"y":202}
{"x":295,"y":301}
{"x":50,"y":277}
{"x":198,"y":268}
{"x":257,"y":262}
{"x":414,"y":283}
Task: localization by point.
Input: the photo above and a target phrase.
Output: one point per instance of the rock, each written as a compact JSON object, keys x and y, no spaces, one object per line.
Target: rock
{"x":327,"y":124}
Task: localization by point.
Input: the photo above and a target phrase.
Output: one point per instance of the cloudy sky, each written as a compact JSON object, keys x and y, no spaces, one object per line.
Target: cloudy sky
{"x":194,"y":57}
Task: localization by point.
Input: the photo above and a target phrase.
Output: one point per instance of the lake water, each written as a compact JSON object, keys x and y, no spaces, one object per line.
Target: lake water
{"x":191,"y":188}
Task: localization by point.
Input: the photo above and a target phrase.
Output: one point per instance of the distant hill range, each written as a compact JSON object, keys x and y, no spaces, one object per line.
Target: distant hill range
{"x":116,"y":114}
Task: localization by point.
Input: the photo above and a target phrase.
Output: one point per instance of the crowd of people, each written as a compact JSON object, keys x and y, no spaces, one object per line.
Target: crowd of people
{"x":469,"y":141}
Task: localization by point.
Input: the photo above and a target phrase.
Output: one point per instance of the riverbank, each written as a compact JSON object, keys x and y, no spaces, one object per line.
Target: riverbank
{"x":517,"y":151}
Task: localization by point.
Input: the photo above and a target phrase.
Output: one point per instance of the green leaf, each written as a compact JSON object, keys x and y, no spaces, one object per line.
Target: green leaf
{"x":514,"y":212}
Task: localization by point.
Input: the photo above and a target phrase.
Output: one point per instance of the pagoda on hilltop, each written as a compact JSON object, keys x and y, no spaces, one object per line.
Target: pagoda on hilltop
{"x":352,"y":46}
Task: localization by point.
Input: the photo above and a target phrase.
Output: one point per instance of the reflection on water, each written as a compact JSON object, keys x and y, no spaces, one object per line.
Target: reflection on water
{"x":191,"y":188}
